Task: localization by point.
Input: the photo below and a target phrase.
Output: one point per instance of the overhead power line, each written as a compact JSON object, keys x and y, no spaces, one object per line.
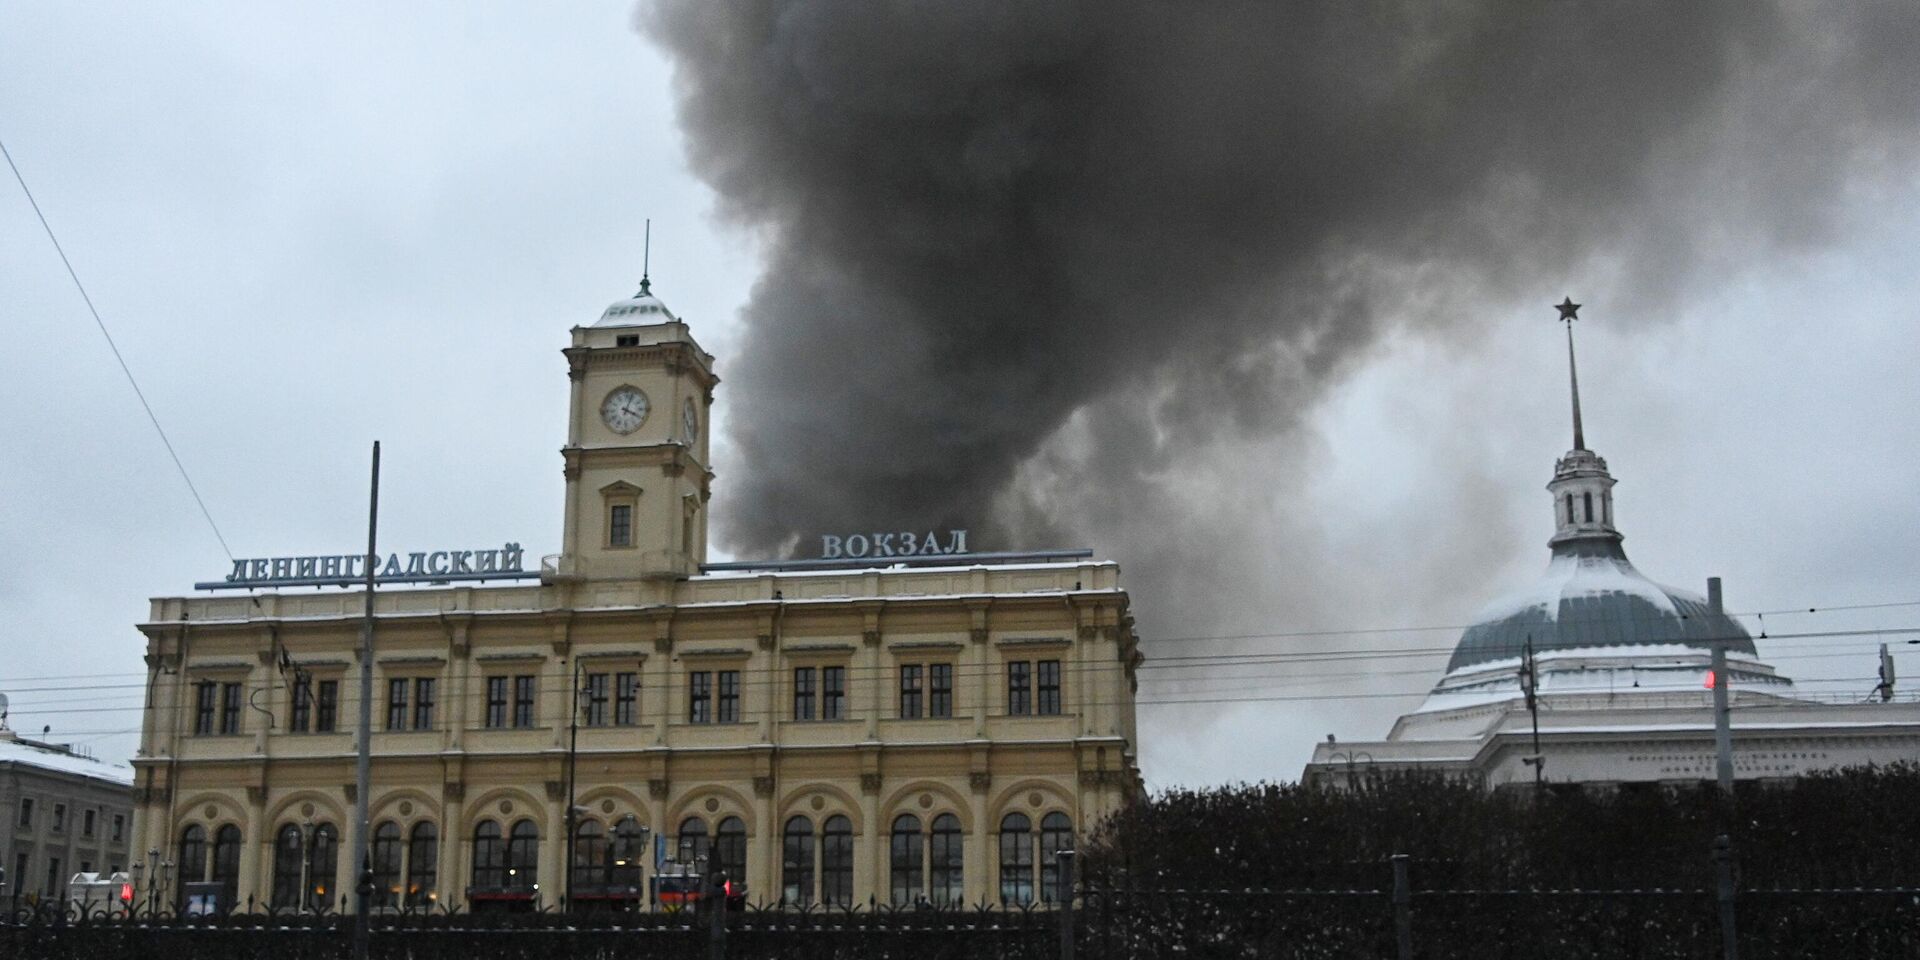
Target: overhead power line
{"x":102,"y":324}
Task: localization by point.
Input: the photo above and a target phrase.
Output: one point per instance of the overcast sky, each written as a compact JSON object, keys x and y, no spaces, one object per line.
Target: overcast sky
{"x":310,"y":227}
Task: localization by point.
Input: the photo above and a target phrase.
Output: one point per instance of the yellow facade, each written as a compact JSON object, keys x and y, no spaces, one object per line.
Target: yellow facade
{"x":724,"y":725}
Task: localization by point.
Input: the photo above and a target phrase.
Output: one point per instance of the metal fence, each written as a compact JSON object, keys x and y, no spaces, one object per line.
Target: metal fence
{"x":1392,"y":920}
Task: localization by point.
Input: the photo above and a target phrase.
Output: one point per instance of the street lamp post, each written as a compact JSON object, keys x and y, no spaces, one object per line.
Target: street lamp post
{"x":306,"y":866}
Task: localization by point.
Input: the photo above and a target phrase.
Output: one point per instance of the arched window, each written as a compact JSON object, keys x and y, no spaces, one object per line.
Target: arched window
{"x":386,"y":865}
{"x":1606,"y":509}
{"x":193,"y":855}
{"x":1056,"y":834}
{"x":796,"y":862}
{"x":1571,"y":519}
{"x":1016,"y":859}
{"x":629,"y":852}
{"x":226,"y":864}
{"x":1588,"y":497}
{"x":489,"y":857}
{"x":904,"y":857}
{"x":589,"y":854}
{"x":323,"y":860}
{"x":423,"y":864}
{"x":523,"y":856}
{"x":836,"y":861}
{"x":289,"y":862}
{"x":694,"y":842}
{"x":730,"y":848}
{"x":946,"y":853}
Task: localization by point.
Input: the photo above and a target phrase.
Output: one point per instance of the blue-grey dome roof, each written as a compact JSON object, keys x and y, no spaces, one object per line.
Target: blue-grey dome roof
{"x":1591,"y":596}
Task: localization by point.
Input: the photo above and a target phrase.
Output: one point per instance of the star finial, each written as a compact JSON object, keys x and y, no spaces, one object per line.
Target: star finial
{"x":1568,"y":309}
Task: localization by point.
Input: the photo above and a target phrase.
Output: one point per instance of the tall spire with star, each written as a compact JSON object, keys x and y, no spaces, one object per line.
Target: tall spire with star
{"x":1582,"y":488}
{"x":1569,"y":312}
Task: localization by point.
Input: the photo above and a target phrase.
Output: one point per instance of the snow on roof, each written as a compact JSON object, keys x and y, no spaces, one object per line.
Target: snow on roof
{"x":30,"y":754}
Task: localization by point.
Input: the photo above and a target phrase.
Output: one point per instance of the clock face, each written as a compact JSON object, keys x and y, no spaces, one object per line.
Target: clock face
{"x":690,"y":419}
{"x":624,"y":410}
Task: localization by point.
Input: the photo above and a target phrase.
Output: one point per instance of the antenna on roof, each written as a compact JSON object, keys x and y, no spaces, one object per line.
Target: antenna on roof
{"x":646,"y":257}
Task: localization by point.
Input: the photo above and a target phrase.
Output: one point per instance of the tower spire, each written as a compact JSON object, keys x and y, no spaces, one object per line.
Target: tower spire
{"x":646,"y":257}
{"x":1569,"y":312}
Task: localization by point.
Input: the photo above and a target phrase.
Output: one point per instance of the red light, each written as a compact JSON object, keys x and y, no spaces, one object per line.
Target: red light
{"x":126,"y":893}
{"x":1709,"y":683}
{"x":728,"y":888}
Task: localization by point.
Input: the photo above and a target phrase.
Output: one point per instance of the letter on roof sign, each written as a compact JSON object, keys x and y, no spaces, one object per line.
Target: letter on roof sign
{"x":829,"y":547}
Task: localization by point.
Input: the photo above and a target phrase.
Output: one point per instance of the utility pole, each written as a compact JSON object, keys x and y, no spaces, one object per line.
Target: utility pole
{"x":363,"y":768}
{"x":1722,"y":684}
{"x":1529,"y":685}
{"x":573,"y":817}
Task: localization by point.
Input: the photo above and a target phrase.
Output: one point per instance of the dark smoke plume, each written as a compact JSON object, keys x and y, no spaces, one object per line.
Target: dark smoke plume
{"x":1028,"y":262}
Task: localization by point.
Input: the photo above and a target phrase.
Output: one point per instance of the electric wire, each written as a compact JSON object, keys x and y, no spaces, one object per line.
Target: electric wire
{"x":102,"y":324}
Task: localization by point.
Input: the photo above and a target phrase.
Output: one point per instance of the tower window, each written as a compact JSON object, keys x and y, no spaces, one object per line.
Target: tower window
{"x":620,"y":525}
{"x":626,"y":340}
{"x":1589,"y":498}
{"x":1570,"y":516}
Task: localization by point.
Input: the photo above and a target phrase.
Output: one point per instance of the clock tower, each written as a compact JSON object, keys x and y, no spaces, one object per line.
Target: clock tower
{"x":636,"y":455}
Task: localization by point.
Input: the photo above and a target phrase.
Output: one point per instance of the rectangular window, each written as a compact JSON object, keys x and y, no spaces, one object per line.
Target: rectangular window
{"x":53,"y":877}
{"x":626,"y":699}
{"x":423,"y":703}
{"x":911,"y":680}
{"x":596,"y":700}
{"x":620,"y":525}
{"x":397,"y":703}
{"x":1019,"y":687}
{"x":1049,"y":704}
{"x":496,"y":702}
{"x":59,"y":817}
{"x":803,"y":693}
{"x":26,"y":813}
{"x":523,"y":701}
{"x":20,"y":868}
{"x":301,"y":713}
{"x":729,"y":696}
{"x":86,"y":825}
{"x":119,"y":827}
{"x":229,"y":708}
{"x":940,"y":690}
{"x":327,"y":709}
{"x":833,"y":693}
{"x":203,"y":694}
{"x":700,"y":697}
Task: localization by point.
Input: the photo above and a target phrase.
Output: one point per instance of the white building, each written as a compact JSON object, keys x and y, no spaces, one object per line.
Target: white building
{"x":1621,"y":669}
